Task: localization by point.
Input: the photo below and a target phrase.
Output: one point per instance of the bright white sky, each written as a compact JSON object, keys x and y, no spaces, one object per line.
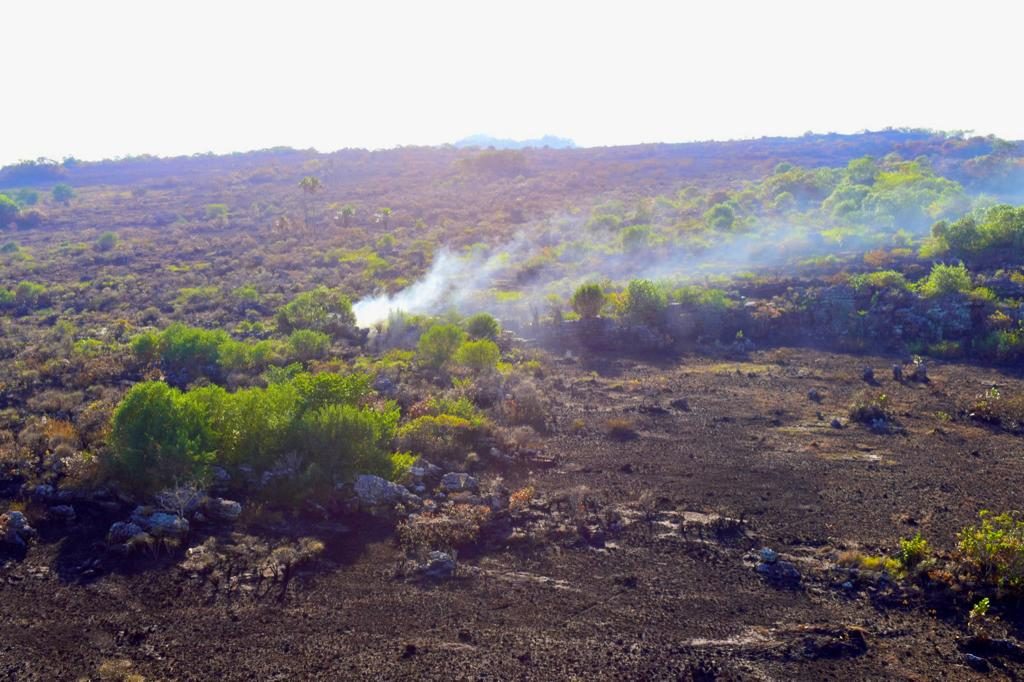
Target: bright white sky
{"x":102,"y":78}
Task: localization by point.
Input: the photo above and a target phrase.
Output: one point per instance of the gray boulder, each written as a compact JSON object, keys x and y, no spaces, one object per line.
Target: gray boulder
{"x":375,"y":493}
{"x":123,"y":531}
{"x":14,"y":529}
{"x":439,"y":565}
{"x":219,"y":509}
{"x":160,"y":524}
{"x":456,"y":483}
{"x":780,"y":572}
{"x":63,"y":512}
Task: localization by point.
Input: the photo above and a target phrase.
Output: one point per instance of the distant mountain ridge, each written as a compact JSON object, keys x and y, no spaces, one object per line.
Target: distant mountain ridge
{"x":481,"y":140}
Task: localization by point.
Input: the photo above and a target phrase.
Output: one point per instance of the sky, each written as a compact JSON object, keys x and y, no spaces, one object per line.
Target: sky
{"x":103,"y":79}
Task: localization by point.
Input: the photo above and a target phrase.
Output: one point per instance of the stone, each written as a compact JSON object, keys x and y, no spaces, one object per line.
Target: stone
{"x":836,"y":424}
{"x":14,"y":529}
{"x":439,"y":565}
{"x":454,"y":482}
{"x":977,"y":663}
{"x":782,"y":572}
{"x":219,"y":509}
{"x":868,"y":375}
{"x":897,"y":372}
{"x":768,"y":555}
{"x":375,"y":493}
{"x":161,"y":524}
{"x":122,"y":532}
{"x":63,"y":512}
{"x":425,"y":473}
{"x":42,"y":493}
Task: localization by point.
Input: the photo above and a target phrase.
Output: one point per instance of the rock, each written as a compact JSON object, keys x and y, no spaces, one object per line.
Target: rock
{"x":897,"y":372}
{"x":218,"y":509}
{"x":836,"y":424}
{"x":220,"y":476}
{"x":868,"y":375}
{"x":848,"y":586}
{"x":814,"y":396}
{"x":425,"y":473}
{"x":42,"y":493}
{"x":123,"y":531}
{"x":384,"y":385}
{"x":453,"y":482}
{"x":14,"y":529}
{"x":161,"y":524}
{"x":375,"y":494}
{"x":63,"y":512}
{"x":439,"y":565}
{"x":768,"y":555}
{"x":782,"y":572}
{"x":977,"y":662}
{"x":920,"y":373}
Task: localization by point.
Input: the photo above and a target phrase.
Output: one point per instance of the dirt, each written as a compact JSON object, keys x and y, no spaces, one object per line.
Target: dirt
{"x":668,"y":591}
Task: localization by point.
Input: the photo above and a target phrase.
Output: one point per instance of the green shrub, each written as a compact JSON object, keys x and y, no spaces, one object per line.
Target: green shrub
{"x":483,"y":326}
{"x":437,"y":345}
{"x":945,"y":279}
{"x":880,"y":280}
{"x":644,"y":301}
{"x":478,"y":356}
{"x":8,"y":210}
{"x":587,"y":300}
{"x":62,"y":193}
{"x":107,"y":241}
{"x":871,"y":409}
{"x":307,"y":344}
{"x":322,"y":309}
{"x":158,"y":438}
{"x":913,"y":551}
{"x":442,"y":437}
{"x":993,"y":550}
{"x":316,"y":424}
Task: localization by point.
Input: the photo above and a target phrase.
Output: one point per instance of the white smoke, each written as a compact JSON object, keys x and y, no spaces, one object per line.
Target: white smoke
{"x":449,"y":283}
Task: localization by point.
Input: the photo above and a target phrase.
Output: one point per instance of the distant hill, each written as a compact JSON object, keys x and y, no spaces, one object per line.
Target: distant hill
{"x":502,"y":143}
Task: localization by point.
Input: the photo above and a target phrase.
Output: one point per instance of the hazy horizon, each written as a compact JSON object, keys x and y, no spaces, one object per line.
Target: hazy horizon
{"x":117,"y":79}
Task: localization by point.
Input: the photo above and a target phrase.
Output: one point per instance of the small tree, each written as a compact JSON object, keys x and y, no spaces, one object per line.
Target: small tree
{"x":62,"y":193}
{"x":8,"y":210}
{"x":645,"y":302}
{"x":107,"y":241}
{"x":483,"y":326}
{"x":438,"y":344}
{"x":587,"y":300}
{"x":310,"y":185}
{"x":478,"y":356}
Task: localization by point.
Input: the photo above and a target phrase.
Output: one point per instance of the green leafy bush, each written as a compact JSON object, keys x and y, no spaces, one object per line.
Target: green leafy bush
{"x":307,"y":344}
{"x":993,"y":550}
{"x":322,"y":309}
{"x":437,"y":345}
{"x":440,"y":437}
{"x":644,"y":301}
{"x":483,"y":326}
{"x":159,"y":438}
{"x":945,"y":280}
{"x":587,"y":300}
{"x":478,"y":356}
{"x":107,"y":241}
{"x":913,"y":551}
{"x":316,"y":425}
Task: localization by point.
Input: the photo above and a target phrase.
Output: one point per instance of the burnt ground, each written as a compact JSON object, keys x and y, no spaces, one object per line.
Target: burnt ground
{"x":652,"y":603}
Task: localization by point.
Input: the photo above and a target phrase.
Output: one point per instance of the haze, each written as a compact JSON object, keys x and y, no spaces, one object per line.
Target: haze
{"x":100,"y":80}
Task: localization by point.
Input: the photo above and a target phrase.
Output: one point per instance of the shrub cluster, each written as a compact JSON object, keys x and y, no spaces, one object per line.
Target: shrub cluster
{"x":318,"y":430}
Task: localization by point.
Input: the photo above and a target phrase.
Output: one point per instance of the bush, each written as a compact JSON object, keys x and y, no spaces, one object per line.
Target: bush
{"x":993,"y":551}
{"x":587,"y":300}
{"x":62,"y":193}
{"x":158,"y":438}
{"x":478,"y":356}
{"x":871,"y":410}
{"x":322,"y":309}
{"x":442,"y":437}
{"x":483,"y":326}
{"x":315,"y":424}
{"x":8,"y":210}
{"x":437,"y":345}
{"x":307,"y":344}
{"x":644,"y":301}
{"x":944,"y":280}
{"x":456,"y":527}
{"x":913,"y":551}
{"x":107,"y":241}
